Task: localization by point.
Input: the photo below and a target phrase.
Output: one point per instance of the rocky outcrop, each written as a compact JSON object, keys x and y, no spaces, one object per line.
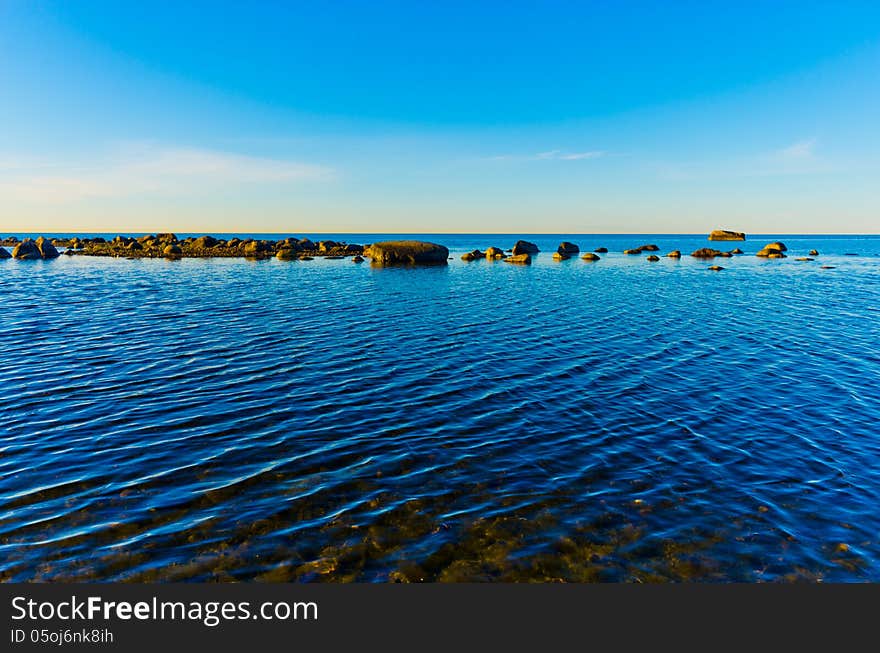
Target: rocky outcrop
{"x":286,"y":254}
{"x":172,"y":251}
{"x":773,"y":250}
{"x":47,"y":249}
{"x":494,"y":253}
{"x":521,"y":259}
{"x":707,"y":252}
{"x":27,"y":250}
{"x":721,"y":234}
{"x":566,"y":247}
{"x":408,"y":252}
{"x":674,"y":254}
{"x":473,"y":255}
{"x":203,"y":242}
{"x":524,"y":247}
{"x":590,"y":256}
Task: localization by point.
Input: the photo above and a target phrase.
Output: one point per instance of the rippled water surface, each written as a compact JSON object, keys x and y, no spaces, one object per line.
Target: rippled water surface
{"x":615,"y":421}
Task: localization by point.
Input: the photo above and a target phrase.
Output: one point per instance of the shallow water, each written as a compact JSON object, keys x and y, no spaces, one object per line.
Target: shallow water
{"x":618,"y":421}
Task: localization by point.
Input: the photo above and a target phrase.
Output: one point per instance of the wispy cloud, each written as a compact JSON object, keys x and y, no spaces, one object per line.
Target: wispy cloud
{"x":551,"y":155}
{"x":148,"y":169}
{"x":800,"y":151}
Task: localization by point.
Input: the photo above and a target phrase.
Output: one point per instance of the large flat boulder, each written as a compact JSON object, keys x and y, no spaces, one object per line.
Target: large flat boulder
{"x":408,"y":252}
{"x":721,"y":234}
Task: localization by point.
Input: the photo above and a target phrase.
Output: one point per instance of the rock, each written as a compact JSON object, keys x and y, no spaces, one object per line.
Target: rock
{"x":234,"y":242}
{"x":589,"y":256}
{"x":357,"y":259}
{"x":648,"y":248}
{"x":805,"y":258}
{"x":706,"y":252}
{"x":827,"y":267}
{"x":653,"y":258}
{"x":601,"y":250}
{"x":560,"y":256}
{"x":4,"y":254}
{"x":286,"y":254}
{"x":522,"y":259}
{"x":524,"y":247}
{"x":306,"y":258}
{"x":334,"y":257}
{"x":493,"y":253}
{"x":566,"y":247}
{"x":134,"y":245}
{"x":770,"y":249}
{"x":736,"y":250}
{"x":203,"y":242}
{"x":47,"y":249}
{"x":172,"y":251}
{"x":354,"y":249}
{"x":674,"y":254}
{"x":27,"y":250}
{"x":325,"y":246}
{"x":721,"y":234}
{"x":166,"y":238}
{"x":632,"y":251}
{"x":255,"y":247}
{"x":408,"y":252}
{"x":473,"y":256}
{"x":775,"y":255}
{"x":305,"y":243}
{"x":813,"y":252}
{"x":716,"y":268}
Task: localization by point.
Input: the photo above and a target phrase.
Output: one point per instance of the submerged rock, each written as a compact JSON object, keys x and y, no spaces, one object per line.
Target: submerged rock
{"x":736,"y":250}
{"x":27,"y":250}
{"x":601,"y":250}
{"x":721,"y":234}
{"x":813,"y":252}
{"x":589,"y":256}
{"x":827,"y":267}
{"x":632,"y":251}
{"x":408,"y":252}
{"x":522,"y":259}
{"x":715,"y":268}
{"x":653,"y":258}
{"x":566,"y":247}
{"x":560,"y":256}
{"x":674,"y":254}
{"x":706,"y":252}
{"x":805,"y":258}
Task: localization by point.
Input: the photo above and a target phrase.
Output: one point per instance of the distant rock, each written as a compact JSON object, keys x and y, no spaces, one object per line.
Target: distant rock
{"x":632,"y":251}
{"x":524,"y":247}
{"x":715,"y":268}
{"x":172,"y":251}
{"x":813,"y":252}
{"x":827,"y":267}
{"x":706,"y":252}
{"x":601,"y":250}
{"x":522,"y":259}
{"x":721,"y":234}
{"x":653,"y":258}
{"x":648,"y":248}
{"x":674,"y":254}
{"x":27,"y":250}
{"x":408,"y":252}
{"x":560,"y":256}
{"x":589,"y":256}
{"x":4,"y":254}
{"x":805,"y":258}
{"x":493,"y":253}
{"x":736,"y":250}
{"x":47,"y":249}
{"x":566,"y":247}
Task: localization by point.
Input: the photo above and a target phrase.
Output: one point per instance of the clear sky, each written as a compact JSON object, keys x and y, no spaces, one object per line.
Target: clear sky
{"x":570,"y":117}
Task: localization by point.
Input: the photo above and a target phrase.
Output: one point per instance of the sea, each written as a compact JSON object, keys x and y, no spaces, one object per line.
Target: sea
{"x":612,"y":421}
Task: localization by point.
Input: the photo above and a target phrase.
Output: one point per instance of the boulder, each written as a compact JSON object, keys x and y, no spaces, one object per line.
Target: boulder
{"x":813,"y":252}
{"x":354,"y":249}
{"x":47,"y":249}
{"x":255,"y":247}
{"x":408,"y":252}
{"x":305,"y":243}
{"x":632,"y":251}
{"x":286,"y":254}
{"x":494,"y":253}
{"x":524,"y":247}
{"x":648,"y":248}
{"x":4,"y":254}
{"x":827,"y":267}
{"x":522,"y":259}
{"x":234,"y":242}
{"x":357,"y":259}
{"x":27,"y":250}
{"x":805,"y":258}
{"x":772,"y":250}
{"x":736,"y":250}
{"x":706,"y":252}
{"x":653,"y":258}
{"x":674,"y":254}
{"x":203,"y":242}
{"x":325,"y":246}
{"x":589,"y":256}
{"x":306,"y":258}
{"x":721,"y":234}
{"x":134,"y":246}
{"x":715,"y":268}
{"x":172,"y":251}
{"x":166,"y":238}
{"x":566,"y":247}
{"x":601,"y":250}
{"x":560,"y":256}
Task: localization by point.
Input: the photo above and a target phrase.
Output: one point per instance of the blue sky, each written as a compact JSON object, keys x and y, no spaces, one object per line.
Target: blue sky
{"x":568,"y":117}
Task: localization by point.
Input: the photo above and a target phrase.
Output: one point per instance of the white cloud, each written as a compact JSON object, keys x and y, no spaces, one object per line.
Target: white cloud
{"x":550,"y":155}
{"x":149,"y":169}
{"x":800,"y":151}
